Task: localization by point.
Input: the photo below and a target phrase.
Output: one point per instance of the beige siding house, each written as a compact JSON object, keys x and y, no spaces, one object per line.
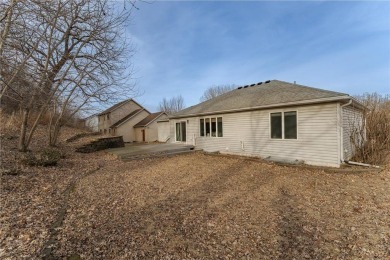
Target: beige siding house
{"x":130,"y":120}
{"x":117,"y":112}
{"x":275,"y":120}
{"x":125,"y":127}
{"x":146,"y":130}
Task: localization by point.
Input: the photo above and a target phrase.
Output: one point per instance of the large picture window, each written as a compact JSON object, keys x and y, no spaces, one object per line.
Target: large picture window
{"x":211,"y":127}
{"x":284,"y":125}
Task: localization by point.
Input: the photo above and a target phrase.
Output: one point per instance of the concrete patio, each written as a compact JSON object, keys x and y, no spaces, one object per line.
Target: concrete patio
{"x":133,"y":151}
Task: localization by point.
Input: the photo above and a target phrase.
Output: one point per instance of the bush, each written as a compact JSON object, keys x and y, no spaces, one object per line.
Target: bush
{"x":376,"y":135}
{"x":45,"y":158}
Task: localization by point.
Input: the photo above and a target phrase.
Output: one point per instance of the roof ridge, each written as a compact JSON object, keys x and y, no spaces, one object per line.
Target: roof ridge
{"x":149,"y":119}
{"x":304,"y":86}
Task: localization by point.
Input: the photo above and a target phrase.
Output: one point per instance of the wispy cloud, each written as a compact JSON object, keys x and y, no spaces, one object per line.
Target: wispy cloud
{"x":185,"y":47}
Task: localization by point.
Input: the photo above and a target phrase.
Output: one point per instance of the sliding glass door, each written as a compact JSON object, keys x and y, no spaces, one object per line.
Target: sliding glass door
{"x":181,"y":132}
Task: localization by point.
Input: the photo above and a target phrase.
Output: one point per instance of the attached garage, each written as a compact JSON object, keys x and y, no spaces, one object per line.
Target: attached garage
{"x":147,"y":129}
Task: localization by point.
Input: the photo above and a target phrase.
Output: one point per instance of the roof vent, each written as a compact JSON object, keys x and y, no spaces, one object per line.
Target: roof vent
{"x":259,"y":83}
{"x":239,"y":88}
{"x":246,"y":86}
{"x":253,"y":85}
{"x":268,"y":81}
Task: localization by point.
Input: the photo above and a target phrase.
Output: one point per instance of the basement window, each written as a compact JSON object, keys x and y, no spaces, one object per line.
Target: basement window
{"x":211,"y":127}
{"x":284,"y":125}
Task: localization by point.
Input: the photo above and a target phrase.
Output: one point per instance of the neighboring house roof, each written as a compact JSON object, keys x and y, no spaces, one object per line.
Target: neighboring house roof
{"x":118,"y":105}
{"x":267,"y":94}
{"x":149,"y":119}
{"x":129,"y":116}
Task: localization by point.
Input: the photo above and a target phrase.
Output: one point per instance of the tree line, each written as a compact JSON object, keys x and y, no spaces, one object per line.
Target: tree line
{"x":59,"y":57}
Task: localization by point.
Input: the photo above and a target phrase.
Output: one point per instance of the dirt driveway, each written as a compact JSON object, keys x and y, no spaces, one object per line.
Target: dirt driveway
{"x":203,"y":206}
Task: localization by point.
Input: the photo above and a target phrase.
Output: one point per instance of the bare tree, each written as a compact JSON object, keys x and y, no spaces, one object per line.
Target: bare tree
{"x":66,"y":55}
{"x":172,"y":105}
{"x":215,"y":91}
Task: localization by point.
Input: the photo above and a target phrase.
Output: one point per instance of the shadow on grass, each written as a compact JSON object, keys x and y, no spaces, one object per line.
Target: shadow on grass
{"x":185,"y":225}
{"x":298,"y":237}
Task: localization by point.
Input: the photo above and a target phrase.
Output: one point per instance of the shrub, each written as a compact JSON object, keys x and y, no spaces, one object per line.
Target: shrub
{"x":375,"y":130}
{"x":45,"y":158}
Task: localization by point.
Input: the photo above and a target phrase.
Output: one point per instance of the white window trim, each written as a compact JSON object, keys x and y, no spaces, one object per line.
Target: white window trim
{"x":204,"y":126}
{"x":283,"y":138}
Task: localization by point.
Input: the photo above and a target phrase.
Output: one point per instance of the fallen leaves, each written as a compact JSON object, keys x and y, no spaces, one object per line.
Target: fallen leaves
{"x":193,"y":206}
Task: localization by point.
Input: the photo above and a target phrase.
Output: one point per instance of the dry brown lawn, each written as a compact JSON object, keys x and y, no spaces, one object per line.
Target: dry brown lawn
{"x":195,"y":206}
{"x":202,"y":206}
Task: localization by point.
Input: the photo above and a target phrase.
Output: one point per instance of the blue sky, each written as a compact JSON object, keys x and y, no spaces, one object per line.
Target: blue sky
{"x":185,"y":47}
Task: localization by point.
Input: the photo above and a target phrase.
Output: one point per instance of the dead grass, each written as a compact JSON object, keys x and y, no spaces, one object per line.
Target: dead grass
{"x":192,"y":206}
{"x":200,"y":206}
{"x":30,"y":196}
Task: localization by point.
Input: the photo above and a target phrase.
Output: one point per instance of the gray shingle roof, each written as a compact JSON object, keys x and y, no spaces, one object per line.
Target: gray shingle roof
{"x":150,"y":118}
{"x":273,"y":93}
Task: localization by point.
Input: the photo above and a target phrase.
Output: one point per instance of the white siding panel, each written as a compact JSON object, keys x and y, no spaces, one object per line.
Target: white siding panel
{"x":151,"y":132}
{"x":163,"y":129}
{"x":248,"y":133}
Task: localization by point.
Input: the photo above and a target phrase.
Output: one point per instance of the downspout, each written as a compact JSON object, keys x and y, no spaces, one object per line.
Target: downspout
{"x":342,"y":130}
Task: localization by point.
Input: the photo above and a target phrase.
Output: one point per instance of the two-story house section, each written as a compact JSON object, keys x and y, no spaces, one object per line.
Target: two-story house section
{"x":120,"y":119}
{"x":130,"y":120}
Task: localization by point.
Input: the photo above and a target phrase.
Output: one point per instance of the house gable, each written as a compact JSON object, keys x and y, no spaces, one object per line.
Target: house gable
{"x":117,"y":112}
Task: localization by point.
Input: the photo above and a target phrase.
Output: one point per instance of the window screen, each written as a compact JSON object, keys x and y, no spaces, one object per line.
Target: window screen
{"x":290,"y":125}
{"x":276,"y":125}
{"x":201,"y":124}
{"x":207,"y":126}
{"x":213,"y":127}
{"x":220,"y":129}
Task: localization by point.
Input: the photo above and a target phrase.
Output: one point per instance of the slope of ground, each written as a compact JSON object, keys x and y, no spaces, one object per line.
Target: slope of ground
{"x":30,"y":197}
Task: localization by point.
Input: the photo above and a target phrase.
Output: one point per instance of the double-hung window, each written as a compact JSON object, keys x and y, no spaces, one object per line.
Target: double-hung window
{"x":211,"y":127}
{"x":284,"y":125}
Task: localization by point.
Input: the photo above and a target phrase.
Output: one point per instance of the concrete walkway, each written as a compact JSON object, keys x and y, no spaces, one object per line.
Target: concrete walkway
{"x":143,"y":150}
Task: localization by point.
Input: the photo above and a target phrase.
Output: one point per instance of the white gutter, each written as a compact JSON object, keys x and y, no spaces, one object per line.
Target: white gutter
{"x":349,"y":103}
{"x":294,"y":103}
